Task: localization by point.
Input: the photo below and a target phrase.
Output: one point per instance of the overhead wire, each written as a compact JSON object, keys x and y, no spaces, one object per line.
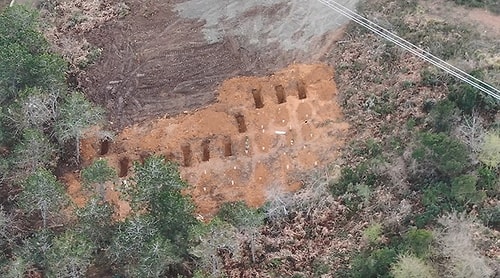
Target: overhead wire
{"x":408,"y":46}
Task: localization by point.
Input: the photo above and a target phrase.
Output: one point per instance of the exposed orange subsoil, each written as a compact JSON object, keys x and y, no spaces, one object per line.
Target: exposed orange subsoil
{"x":281,"y":141}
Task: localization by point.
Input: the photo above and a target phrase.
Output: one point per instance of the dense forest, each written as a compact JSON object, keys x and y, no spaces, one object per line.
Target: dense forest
{"x":416,"y":193}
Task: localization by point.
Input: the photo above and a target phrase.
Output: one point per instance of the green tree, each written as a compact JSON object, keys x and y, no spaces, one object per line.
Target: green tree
{"x":43,"y":193}
{"x":373,"y":233}
{"x":76,"y":114}
{"x":34,"y":151}
{"x":69,"y":256}
{"x":96,"y":175}
{"x":157,"y":189}
{"x":247,"y":220}
{"x":211,"y":239}
{"x":25,"y":55}
{"x":95,"y":221}
{"x":153,"y":176}
{"x":34,"y":249}
{"x":418,"y":242}
{"x":131,"y":237}
{"x":374,"y":264}
{"x":154,"y":259}
{"x":139,"y":250}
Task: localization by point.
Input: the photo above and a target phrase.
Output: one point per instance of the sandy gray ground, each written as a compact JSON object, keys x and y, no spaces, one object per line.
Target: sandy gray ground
{"x":290,"y":25}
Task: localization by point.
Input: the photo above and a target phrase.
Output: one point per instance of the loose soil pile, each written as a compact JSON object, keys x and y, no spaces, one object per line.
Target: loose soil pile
{"x":262,"y":132}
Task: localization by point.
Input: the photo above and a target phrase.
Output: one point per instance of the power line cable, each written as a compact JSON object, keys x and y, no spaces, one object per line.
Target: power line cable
{"x":423,"y":54}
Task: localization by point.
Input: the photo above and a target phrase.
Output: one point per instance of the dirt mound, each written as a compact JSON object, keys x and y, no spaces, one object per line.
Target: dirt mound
{"x":262,"y":132}
{"x":170,"y":56}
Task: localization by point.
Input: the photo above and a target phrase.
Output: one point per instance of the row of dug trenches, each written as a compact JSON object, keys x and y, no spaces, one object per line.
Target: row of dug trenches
{"x":262,"y":132}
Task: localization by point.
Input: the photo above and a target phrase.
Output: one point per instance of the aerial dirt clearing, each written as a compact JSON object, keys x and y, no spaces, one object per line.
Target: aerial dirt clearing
{"x":235,"y":92}
{"x":262,"y":133}
{"x":166,"y":57}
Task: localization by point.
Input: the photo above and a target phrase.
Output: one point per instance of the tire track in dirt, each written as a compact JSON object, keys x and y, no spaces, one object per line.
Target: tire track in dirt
{"x":159,"y":60}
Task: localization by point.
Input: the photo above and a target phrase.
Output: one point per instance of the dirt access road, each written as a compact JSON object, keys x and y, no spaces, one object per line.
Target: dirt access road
{"x":165,"y":57}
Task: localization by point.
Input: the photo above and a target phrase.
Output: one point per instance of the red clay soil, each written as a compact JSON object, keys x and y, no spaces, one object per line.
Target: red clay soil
{"x":231,"y":150}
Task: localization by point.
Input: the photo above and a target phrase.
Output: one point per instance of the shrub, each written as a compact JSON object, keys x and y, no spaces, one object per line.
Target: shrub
{"x":491,"y":217}
{"x":488,"y":181}
{"x":349,"y":177}
{"x":463,"y":189}
{"x":14,"y":268}
{"x":418,"y":242}
{"x":241,"y":216}
{"x":98,"y":172}
{"x":433,"y":78}
{"x":490,"y":151}
{"x":448,"y":155}
{"x":368,"y":149}
{"x":373,"y":233}
{"x":409,"y":266}
{"x":375,"y":264}
{"x":466,"y":97}
{"x":442,"y":115}
{"x":492,"y":5}
{"x":320,"y":267}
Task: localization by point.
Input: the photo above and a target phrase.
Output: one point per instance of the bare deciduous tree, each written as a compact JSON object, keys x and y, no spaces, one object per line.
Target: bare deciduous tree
{"x":471,"y":131}
{"x":76,"y":114}
{"x":456,"y":243}
{"x":33,"y":109}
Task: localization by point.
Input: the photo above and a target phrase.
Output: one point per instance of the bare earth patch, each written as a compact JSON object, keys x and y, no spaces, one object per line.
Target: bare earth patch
{"x":166,"y":57}
{"x":232,"y":150}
